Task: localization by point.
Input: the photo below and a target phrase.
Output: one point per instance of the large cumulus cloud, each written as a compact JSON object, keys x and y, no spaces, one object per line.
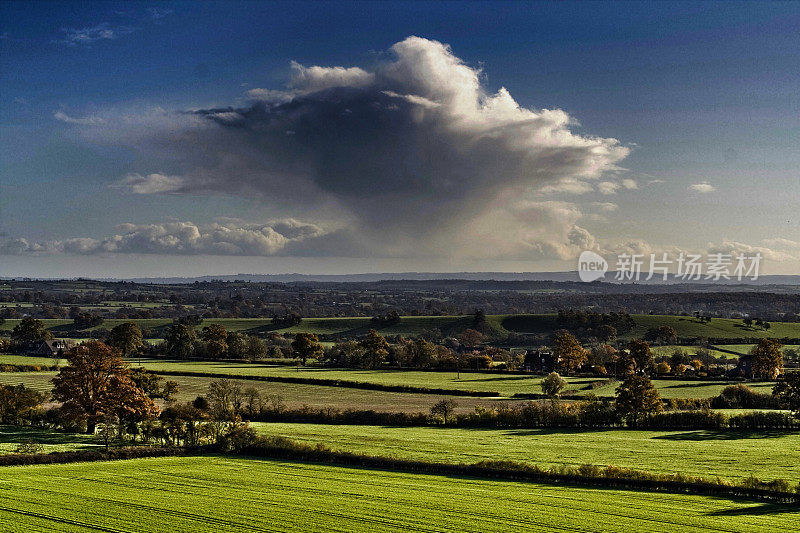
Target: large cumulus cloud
{"x":410,"y":154}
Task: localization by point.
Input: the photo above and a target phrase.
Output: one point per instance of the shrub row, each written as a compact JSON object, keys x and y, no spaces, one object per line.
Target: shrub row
{"x":335,"y":383}
{"x":688,"y":341}
{"x":539,"y":396}
{"x":309,"y":415}
{"x":609,"y":476}
{"x":534,"y":415}
{"x":112,"y":454}
{"x":707,"y":419}
{"x":763,"y":420}
{"x":743,"y":397}
{"x":703,"y":419}
{"x":26,"y":368}
{"x":527,"y":415}
{"x":686,"y":404}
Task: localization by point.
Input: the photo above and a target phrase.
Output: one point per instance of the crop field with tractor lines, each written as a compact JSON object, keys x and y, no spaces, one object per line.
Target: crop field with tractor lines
{"x":211,"y":494}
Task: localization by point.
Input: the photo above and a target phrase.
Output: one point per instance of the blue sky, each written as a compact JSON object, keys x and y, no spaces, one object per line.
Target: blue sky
{"x":703,"y":97}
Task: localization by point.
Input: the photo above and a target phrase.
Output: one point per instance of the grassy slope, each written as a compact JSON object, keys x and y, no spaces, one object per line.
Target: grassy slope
{"x":767,"y":455}
{"x":195,"y":495}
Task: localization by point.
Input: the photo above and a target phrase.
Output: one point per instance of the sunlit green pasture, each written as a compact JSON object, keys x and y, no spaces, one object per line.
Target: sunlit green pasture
{"x":47,"y":440}
{"x":212,"y":494}
{"x":728,"y":454}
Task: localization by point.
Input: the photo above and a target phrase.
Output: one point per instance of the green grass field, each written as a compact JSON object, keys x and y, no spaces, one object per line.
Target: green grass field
{"x":35,"y":380}
{"x":669,"y":349}
{"x":671,"y":388}
{"x":50,"y":441}
{"x":744,"y":349}
{"x":293,"y":395}
{"x":11,"y":359}
{"x":728,"y":454}
{"x":296,"y":395}
{"x":505,"y":384}
{"x":211,"y":494}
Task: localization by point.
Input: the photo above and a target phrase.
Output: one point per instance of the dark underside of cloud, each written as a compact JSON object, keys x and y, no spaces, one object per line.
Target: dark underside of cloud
{"x":412,"y":157}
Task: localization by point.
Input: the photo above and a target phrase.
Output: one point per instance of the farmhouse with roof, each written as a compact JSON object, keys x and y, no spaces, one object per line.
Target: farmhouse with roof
{"x":48,"y":348}
{"x":540,"y":360}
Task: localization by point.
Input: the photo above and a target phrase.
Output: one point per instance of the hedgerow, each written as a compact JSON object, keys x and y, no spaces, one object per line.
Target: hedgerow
{"x":26,"y":368}
{"x":542,"y":414}
{"x":112,"y":454}
{"x":336,"y":383}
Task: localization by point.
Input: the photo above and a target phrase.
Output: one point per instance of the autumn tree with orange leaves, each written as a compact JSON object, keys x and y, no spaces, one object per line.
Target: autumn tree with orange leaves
{"x":96,"y":386}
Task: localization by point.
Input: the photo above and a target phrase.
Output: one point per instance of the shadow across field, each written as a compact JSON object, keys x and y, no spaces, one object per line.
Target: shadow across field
{"x":684,"y":385}
{"x":504,"y":378}
{"x":458,"y":473}
{"x":263,"y":328}
{"x":756,"y":510}
{"x":15,"y":434}
{"x":543,"y":432}
{"x":708,"y":434}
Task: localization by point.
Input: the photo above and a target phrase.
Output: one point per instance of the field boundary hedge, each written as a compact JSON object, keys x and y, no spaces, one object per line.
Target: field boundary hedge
{"x":540,"y":396}
{"x":480,"y":371}
{"x":364,"y":385}
{"x":776,"y":491}
{"x":591,"y":415}
{"x":7,"y":367}
{"x":743,"y":340}
{"x":112,"y":454}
